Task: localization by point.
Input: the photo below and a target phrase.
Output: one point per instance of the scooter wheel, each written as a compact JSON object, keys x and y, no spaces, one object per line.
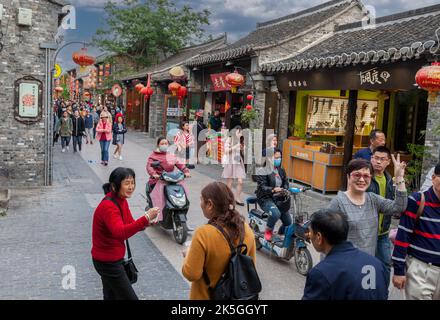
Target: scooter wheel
{"x":180,"y":232}
{"x":303,"y":261}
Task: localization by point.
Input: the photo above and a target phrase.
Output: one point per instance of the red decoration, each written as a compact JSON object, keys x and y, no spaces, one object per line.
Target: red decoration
{"x":250,"y":97}
{"x":173,"y":87}
{"x":235,"y":80}
{"x":147,"y":91}
{"x":139,"y":87}
{"x":428,"y":78}
{"x":59,"y":89}
{"x":182,"y":92}
{"x":82,"y":58}
{"x":248,"y":107}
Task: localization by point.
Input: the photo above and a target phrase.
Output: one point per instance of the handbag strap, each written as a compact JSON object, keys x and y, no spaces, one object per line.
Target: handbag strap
{"x":122,"y":216}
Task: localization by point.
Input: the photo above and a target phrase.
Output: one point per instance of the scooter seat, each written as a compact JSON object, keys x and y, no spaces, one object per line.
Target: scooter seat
{"x":258,"y":213}
{"x":251,"y":200}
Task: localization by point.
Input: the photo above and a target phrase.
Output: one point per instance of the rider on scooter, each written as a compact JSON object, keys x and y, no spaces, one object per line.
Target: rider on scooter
{"x":272,"y":194}
{"x":168,"y":162}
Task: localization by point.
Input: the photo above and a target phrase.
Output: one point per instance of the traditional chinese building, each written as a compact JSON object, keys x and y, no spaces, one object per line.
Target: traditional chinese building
{"x":271,"y":41}
{"x":25,"y":154}
{"x":359,"y":78}
{"x":163,"y":112}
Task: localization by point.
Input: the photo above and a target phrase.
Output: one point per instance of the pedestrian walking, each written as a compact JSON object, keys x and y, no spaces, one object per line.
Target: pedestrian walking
{"x":104,"y":135}
{"x":209,"y":253}
{"x":95,"y":116}
{"x":56,"y":121}
{"x":233,"y":161}
{"x":184,"y":140}
{"x":383,"y":185}
{"x":362,"y":208}
{"x":89,"y":126}
{"x":65,"y":128}
{"x":113,"y":224}
{"x":119,"y":131}
{"x":342,"y":275}
{"x":417,"y":245}
{"x":78,"y":130}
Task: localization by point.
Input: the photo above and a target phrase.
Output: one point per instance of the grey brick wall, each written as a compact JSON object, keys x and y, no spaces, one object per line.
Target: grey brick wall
{"x":22,"y":146}
{"x":156,"y":112}
{"x":432,"y":140}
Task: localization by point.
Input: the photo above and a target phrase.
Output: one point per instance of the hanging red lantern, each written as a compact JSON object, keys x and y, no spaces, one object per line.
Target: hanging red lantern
{"x":249,"y":97}
{"x":139,"y":87}
{"x":182,"y":92}
{"x":107,"y":73}
{"x":235,"y":80}
{"x":173,"y":87}
{"x":248,"y":107}
{"x":59,"y":89}
{"x":82,"y":58}
{"x":147,"y":91}
{"x":428,"y":78}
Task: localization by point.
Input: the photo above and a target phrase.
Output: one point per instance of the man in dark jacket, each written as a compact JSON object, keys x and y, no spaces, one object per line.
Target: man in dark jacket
{"x":78,"y":130}
{"x":346,"y":273}
{"x":382,"y":184}
{"x":272,"y":194}
{"x":215,"y":121}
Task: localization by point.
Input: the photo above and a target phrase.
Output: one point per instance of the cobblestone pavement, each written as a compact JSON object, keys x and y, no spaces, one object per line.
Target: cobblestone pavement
{"x":49,"y":228}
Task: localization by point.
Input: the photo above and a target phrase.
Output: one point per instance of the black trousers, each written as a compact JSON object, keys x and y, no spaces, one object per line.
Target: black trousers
{"x":115,"y":283}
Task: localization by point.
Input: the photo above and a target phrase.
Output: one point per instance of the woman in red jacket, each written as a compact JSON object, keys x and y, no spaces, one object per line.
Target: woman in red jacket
{"x":111,"y":228}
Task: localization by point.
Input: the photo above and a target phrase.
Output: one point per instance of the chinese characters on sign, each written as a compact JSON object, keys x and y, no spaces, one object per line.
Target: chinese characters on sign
{"x":297,"y":84}
{"x":373,"y":76}
{"x":28,"y":100}
{"x":219,"y":83}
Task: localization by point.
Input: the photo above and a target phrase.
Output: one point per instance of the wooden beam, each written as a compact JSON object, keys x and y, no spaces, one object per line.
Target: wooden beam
{"x":349,"y":133}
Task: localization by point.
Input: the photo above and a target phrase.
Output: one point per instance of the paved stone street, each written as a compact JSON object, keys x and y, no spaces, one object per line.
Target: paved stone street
{"x":49,"y":228}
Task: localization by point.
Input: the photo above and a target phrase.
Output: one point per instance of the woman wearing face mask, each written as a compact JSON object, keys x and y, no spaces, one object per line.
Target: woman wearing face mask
{"x":272,"y":194}
{"x":168,"y":162}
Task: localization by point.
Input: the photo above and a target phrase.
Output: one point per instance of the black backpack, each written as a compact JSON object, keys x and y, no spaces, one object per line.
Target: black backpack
{"x":240,"y":280}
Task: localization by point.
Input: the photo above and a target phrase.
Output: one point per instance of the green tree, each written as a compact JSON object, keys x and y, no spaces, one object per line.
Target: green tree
{"x":147,"y":31}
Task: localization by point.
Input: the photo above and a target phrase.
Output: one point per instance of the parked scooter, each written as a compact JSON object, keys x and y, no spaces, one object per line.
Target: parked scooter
{"x":293,"y":242}
{"x":176,"y":203}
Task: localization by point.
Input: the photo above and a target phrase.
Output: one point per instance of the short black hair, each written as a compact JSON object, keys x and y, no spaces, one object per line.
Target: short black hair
{"x":358,"y":164}
{"x":437,"y":169}
{"x":374,"y":133}
{"x":116,"y":177}
{"x":160,"y":139}
{"x":383,"y":149}
{"x":332,"y":225}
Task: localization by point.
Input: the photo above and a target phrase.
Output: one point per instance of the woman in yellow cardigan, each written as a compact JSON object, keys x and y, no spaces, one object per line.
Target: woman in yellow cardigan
{"x":209,"y":249}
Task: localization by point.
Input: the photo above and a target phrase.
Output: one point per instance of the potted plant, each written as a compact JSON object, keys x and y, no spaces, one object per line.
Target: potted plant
{"x":297,"y":132}
{"x":248,"y":114}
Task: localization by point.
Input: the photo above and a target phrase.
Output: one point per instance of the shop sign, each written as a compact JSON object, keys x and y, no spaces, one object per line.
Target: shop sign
{"x":219,"y":82}
{"x":374,"y":76}
{"x":28,"y":99}
{"x":174,"y":112}
{"x":297,"y":84}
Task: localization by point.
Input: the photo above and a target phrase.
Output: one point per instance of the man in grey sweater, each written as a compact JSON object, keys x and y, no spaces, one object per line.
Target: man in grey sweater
{"x":362,"y":208}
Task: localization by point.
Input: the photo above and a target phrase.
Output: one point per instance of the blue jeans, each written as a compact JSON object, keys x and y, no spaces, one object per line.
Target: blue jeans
{"x":383,"y":253}
{"x":269,"y":207}
{"x":77,"y":141}
{"x":104,"y":150}
{"x":65,"y":141}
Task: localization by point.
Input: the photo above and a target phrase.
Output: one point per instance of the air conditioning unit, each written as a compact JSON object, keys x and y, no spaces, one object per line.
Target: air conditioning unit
{"x":24,"y":17}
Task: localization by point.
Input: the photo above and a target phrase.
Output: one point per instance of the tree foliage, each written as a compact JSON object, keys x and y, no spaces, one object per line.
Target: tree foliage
{"x":150,"y":30}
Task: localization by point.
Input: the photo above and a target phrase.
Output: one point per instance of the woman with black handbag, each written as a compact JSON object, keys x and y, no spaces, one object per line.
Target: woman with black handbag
{"x":112,"y":225}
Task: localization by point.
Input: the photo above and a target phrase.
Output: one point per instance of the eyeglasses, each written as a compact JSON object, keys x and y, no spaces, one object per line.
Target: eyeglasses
{"x":358,"y":176}
{"x":104,"y":117}
{"x":379,"y":159}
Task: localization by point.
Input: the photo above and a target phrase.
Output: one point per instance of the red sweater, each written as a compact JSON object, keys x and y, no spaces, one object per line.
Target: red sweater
{"x":109,"y":231}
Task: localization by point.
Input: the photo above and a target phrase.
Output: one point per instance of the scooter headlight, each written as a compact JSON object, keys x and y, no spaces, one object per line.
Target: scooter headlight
{"x":179,"y":202}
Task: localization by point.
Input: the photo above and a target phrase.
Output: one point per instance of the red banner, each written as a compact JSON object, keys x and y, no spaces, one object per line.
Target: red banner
{"x":219,"y":83}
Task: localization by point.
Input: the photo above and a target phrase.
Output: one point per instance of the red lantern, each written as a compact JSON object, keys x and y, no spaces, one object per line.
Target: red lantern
{"x":250,"y":97}
{"x":182,"y":92}
{"x":82,"y":58}
{"x":173,"y":87}
{"x":147,"y":91}
{"x":107,"y":73}
{"x":59,"y":89}
{"x":235,"y":80}
{"x":248,"y":107}
{"x":428,"y":78}
{"x":139,"y":87}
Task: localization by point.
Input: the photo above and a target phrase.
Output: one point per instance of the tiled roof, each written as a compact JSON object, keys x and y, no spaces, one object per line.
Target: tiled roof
{"x":59,"y":2}
{"x":272,"y":33}
{"x":403,"y":36}
{"x":160,"y":71}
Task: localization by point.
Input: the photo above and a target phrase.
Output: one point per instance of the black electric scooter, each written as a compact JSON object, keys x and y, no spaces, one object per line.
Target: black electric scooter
{"x":176,"y":203}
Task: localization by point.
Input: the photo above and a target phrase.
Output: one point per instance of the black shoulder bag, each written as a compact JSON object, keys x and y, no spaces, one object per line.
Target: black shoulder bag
{"x":129,"y":266}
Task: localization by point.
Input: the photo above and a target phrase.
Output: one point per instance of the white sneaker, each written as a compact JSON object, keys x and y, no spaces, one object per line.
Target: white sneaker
{"x":115,"y":156}
{"x":120,"y":158}
{"x":64,"y":150}
{"x":67,"y":148}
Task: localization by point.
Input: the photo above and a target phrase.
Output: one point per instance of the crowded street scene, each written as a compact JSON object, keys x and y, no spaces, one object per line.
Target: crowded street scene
{"x":156,"y":150}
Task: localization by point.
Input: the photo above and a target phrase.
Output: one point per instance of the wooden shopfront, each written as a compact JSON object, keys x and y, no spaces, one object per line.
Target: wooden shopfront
{"x":330,"y":123}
